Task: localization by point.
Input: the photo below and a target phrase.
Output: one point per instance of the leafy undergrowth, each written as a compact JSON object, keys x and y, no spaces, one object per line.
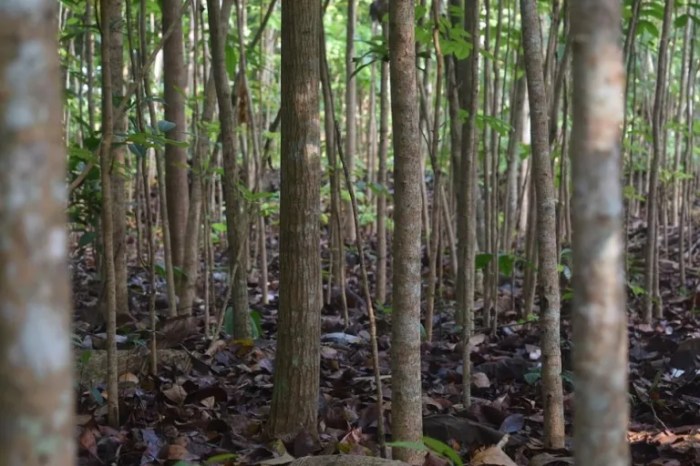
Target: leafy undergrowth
{"x":210,"y":400}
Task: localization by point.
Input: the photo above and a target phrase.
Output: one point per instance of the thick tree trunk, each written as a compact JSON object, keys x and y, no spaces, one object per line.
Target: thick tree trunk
{"x":552,"y":391}
{"x":297,"y":364}
{"x":406,"y":412}
{"x":600,"y":317}
{"x":36,"y":374}
{"x":174,"y":82}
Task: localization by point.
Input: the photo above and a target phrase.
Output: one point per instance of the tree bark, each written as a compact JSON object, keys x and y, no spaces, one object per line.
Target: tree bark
{"x":406,"y":413}
{"x":297,"y":365}
{"x":599,"y":316}
{"x":468,"y":84}
{"x":552,"y":391}
{"x":350,"y":117}
{"x":36,"y":373}
{"x":652,"y":299}
{"x":119,"y":173}
{"x":381,"y":175}
{"x":174,"y":82}
{"x":107,"y":216}
{"x":236,"y":222}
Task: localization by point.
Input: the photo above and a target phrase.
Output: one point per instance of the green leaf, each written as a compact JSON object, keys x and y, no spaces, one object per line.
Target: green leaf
{"x":219,"y":227}
{"x":644,"y":25}
{"x":532,"y":377}
{"x":86,"y":238}
{"x":506,"y":264}
{"x":443,"y":449}
{"x":256,"y":324}
{"x":228,"y":321}
{"x":221,"y":458}
{"x":420,"y":446}
{"x":164,"y":126}
{"x":482,"y":260}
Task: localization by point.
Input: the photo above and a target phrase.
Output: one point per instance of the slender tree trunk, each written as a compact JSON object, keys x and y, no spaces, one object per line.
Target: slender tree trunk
{"x":236,"y":222}
{"x":406,"y":412}
{"x":552,"y":391}
{"x":600,"y":318}
{"x":297,"y":366}
{"x":350,"y":116}
{"x":652,"y":299}
{"x":434,"y":251}
{"x":119,"y":172}
{"x":36,"y":373}
{"x":174,"y":82}
{"x":468,"y":83}
{"x":107,"y":215}
{"x":381,"y":176}
{"x":516,"y":121}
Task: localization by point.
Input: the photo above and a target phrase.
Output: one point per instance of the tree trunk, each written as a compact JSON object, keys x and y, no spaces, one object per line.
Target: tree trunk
{"x":36,"y":372}
{"x":350,"y":117}
{"x":236,"y":222}
{"x":468,"y":84}
{"x":381,"y":176}
{"x":552,"y":391}
{"x":119,"y":172}
{"x":174,"y":82}
{"x":652,"y":299}
{"x":406,"y":413}
{"x":107,"y":216}
{"x":599,"y":316}
{"x":297,"y":365}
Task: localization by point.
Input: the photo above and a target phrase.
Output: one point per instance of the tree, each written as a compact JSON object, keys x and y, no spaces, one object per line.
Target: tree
{"x":652,"y":298}
{"x":552,"y":391}
{"x":174,"y":82}
{"x":297,"y":364}
{"x":237,"y":226}
{"x":118,"y":172}
{"x":406,"y":411}
{"x":600,"y":319}
{"x":36,"y":406}
{"x":467,"y":82}
{"x":350,"y":115}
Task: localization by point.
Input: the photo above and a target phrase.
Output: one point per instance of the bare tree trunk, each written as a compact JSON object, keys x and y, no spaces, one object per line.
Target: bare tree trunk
{"x":516,"y":121}
{"x":600,"y":317}
{"x":350,"y":117}
{"x":118,"y":171}
{"x":381,"y":176}
{"x":552,"y":391}
{"x":652,"y":300}
{"x":297,"y":366}
{"x":406,"y":412}
{"x":174,"y":82}
{"x":236,"y":221}
{"x":434,"y":255}
{"x":107,"y":215}
{"x":36,"y":368}
{"x":468,"y":83}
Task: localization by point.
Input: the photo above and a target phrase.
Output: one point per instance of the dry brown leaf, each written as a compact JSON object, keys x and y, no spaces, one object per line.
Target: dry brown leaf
{"x":492,"y":456}
{"x":176,"y":394}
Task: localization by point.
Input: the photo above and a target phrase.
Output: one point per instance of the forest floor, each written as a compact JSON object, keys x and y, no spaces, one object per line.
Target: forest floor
{"x":212,"y":398}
